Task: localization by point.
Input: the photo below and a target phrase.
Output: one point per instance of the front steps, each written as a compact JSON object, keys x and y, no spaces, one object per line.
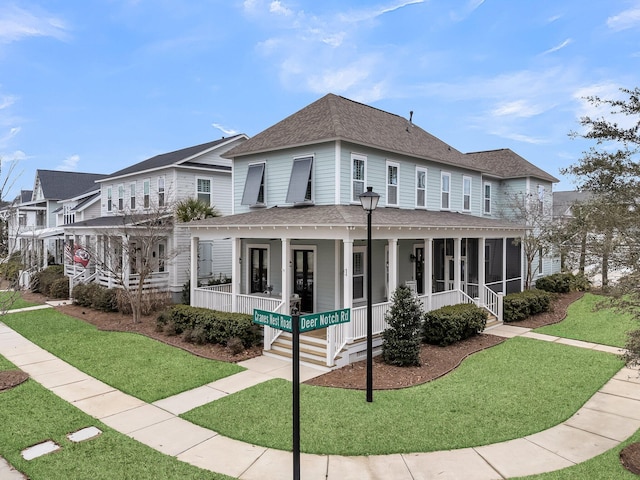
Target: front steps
{"x":313,"y":350}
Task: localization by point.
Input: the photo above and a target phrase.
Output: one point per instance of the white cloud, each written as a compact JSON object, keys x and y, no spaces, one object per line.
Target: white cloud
{"x":624,"y":20}
{"x":517,"y":108}
{"x":69,"y":163}
{"x":17,"y":23}
{"x":466,"y":10}
{"x":278,"y":8}
{"x":6,"y":101}
{"x":225,"y":130}
{"x":4,"y":139}
{"x":558,"y":47}
{"x":16,"y":155}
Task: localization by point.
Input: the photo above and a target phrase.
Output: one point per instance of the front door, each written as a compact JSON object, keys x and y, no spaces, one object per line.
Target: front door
{"x":303,"y":262}
{"x":418,"y":253}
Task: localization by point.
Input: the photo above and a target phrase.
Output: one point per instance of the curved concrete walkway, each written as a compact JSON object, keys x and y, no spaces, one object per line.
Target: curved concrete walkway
{"x":609,"y":417}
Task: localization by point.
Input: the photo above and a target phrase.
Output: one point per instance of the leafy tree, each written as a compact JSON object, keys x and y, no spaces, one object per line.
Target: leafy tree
{"x":401,"y":341}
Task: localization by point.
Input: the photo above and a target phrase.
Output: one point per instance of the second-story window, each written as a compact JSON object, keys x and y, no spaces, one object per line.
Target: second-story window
{"x":487,"y":198}
{"x":392,"y":184}
{"x":121,"y":197}
{"x":254,"y":185}
{"x":161,"y":191}
{"x":204,"y":190}
{"x":358,"y":176}
{"x":68,"y":215}
{"x":300,"y":182}
{"x":445,"y":190}
{"x":466,"y":193}
{"x":146,"y":187}
{"x":109,"y":199}
{"x":541,"y":193}
{"x":421,"y":188}
{"x":132,"y":195}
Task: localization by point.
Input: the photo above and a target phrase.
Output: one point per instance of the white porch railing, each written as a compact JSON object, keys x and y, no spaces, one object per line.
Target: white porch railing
{"x":492,"y":301}
{"x":359,"y":320}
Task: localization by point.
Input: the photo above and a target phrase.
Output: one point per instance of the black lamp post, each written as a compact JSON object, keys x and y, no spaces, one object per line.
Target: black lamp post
{"x":369,"y":201}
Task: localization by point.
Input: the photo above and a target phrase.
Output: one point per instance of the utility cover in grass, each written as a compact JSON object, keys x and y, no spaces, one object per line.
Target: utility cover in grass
{"x":84,"y":434}
{"x":39,"y":450}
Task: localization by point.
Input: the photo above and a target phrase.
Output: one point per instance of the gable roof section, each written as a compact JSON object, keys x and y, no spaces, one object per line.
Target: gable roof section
{"x":176,"y":157}
{"x":505,"y":163}
{"x":564,"y":200}
{"x":58,"y":185}
{"x":333,"y":117}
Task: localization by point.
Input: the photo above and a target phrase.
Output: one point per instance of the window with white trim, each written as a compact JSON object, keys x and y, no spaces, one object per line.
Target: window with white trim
{"x":392,"y":184}
{"x":541,"y":194}
{"x":203,"y":190}
{"x":109,"y":198}
{"x":254,"y":188}
{"x":358,"y":176}
{"x":487,"y":198}
{"x":421,"y":187}
{"x":132,"y":195}
{"x":161,"y":191}
{"x":359,"y":273}
{"x":121,"y":196}
{"x":445,"y":190}
{"x":162,"y":257}
{"x":300,"y":182}
{"x":466,"y":193}
{"x":146,"y":192}
{"x":69,"y":215}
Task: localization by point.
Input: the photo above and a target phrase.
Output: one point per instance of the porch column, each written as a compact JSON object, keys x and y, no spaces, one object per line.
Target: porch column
{"x":236,"y":265}
{"x":347,"y":282}
{"x":482,"y":279}
{"x":286,"y":275}
{"x":523,"y":267}
{"x":194,"y":268}
{"x":393,"y":266}
{"x":126,"y":268}
{"x":427,"y":270}
{"x":457,"y":250}
{"x":504,"y":265}
{"x":337,"y":301}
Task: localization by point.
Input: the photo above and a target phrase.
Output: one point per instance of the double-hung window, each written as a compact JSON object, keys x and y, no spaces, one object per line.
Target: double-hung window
{"x":358,"y":176}
{"x":161,"y":191}
{"x":358,"y":273}
{"x":421,"y":188}
{"x":541,"y":193}
{"x":254,"y":186}
{"x":132,"y":195}
{"x":121,"y":197}
{"x":203,"y":190}
{"x":392,"y":184}
{"x":109,"y":198}
{"x":487,"y":198}
{"x":466,"y":193}
{"x":445,"y":190}
{"x":146,"y":192}
{"x":300,"y":182}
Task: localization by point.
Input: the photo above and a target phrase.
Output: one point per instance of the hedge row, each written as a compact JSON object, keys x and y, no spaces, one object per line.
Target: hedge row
{"x":202,"y":325}
{"x":563,"y":283}
{"x":521,"y":305}
{"x":96,"y":296}
{"x":453,"y":323}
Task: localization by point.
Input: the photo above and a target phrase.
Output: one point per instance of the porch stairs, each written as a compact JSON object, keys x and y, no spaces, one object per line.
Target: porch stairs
{"x":313,"y":350}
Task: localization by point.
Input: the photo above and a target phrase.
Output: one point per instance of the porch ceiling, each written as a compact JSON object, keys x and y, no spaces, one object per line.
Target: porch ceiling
{"x":350,"y":217}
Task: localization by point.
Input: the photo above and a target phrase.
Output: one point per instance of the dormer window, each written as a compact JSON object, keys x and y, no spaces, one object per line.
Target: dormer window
{"x":300,"y":182}
{"x":254,"y":185}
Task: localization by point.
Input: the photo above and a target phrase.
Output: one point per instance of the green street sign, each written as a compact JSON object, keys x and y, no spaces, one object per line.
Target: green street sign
{"x":314,"y":321}
{"x":272,"y":319}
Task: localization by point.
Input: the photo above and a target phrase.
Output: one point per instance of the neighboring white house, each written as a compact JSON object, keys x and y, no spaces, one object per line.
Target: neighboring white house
{"x":299,"y":232}
{"x":151,"y":187}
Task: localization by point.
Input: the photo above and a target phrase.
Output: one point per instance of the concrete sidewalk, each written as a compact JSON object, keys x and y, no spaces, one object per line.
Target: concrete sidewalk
{"x":609,"y":417}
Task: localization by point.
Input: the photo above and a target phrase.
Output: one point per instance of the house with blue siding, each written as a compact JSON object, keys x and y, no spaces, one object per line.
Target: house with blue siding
{"x":298,"y":230}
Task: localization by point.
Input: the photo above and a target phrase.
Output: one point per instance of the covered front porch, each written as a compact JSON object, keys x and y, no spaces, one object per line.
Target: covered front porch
{"x":323,"y":267}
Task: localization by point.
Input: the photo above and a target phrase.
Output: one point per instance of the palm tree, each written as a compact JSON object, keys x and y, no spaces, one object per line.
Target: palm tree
{"x":193,"y":209}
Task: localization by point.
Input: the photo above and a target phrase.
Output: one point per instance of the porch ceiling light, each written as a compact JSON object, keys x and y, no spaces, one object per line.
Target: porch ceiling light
{"x":369,"y":199}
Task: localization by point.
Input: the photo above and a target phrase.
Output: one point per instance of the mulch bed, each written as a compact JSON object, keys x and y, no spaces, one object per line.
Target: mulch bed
{"x":630,"y":458}
{"x":12,"y":378}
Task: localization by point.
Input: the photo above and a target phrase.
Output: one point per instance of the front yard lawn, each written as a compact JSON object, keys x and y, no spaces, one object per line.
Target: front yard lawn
{"x":517,"y":388}
{"x":132,"y":363}
{"x":13,"y":301}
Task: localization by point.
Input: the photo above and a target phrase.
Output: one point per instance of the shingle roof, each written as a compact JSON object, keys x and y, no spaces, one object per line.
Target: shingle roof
{"x":333,"y":117}
{"x":171,"y":158}
{"x":563,"y":200}
{"x":57,"y":185}
{"x":351,"y":215}
{"x":505,"y":163}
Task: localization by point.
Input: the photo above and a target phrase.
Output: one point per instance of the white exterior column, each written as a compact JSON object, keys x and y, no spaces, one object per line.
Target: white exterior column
{"x":457,"y":251}
{"x":286,"y":275}
{"x":347,"y":282}
{"x":126,"y":268}
{"x":481,"y":269}
{"x":427,"y":271}
{"x":236,"y":273}
{"x":504,"y":265}
{"x":194,"y":267}
{"x":393,"y":266}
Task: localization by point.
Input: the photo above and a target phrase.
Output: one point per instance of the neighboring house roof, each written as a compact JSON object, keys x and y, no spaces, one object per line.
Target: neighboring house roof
{"x":333,"y":117}
{"x":351,"y":215}
{"x":87,"y":200}
{"x":58,"y":185}
{"x":505,"y":163}
{"x":181,"y":156}
{"x":564,"y":200}
{"x":25,"y":196}
{"x":117,"y":221}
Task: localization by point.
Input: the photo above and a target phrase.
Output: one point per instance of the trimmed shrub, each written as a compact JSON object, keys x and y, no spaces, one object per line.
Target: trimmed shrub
{"x":401,"y":341}
{"x":453,"y":323}
{"x":521,"y":305}
{"x":60,"y":288}
{"x":202,"y":325}
{"x":10,"y":270}
{"x":95,"y":296}
{"x":563,"y":283}
{"x":41,"y":281}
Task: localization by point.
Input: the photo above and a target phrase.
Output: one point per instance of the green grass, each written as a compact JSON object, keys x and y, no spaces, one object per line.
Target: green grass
{"x":30,"y":414}
{"x":14,"y":301}
{"x":134,"y":364}
{"x":517,"y":388}
{"x":585,"y":322}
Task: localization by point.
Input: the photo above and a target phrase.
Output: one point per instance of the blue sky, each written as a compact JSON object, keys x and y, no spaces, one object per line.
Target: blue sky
{"x":97,"y":85}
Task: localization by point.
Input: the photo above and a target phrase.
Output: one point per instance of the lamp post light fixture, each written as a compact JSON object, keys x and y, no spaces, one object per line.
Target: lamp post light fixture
{"x":369,"y":201}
